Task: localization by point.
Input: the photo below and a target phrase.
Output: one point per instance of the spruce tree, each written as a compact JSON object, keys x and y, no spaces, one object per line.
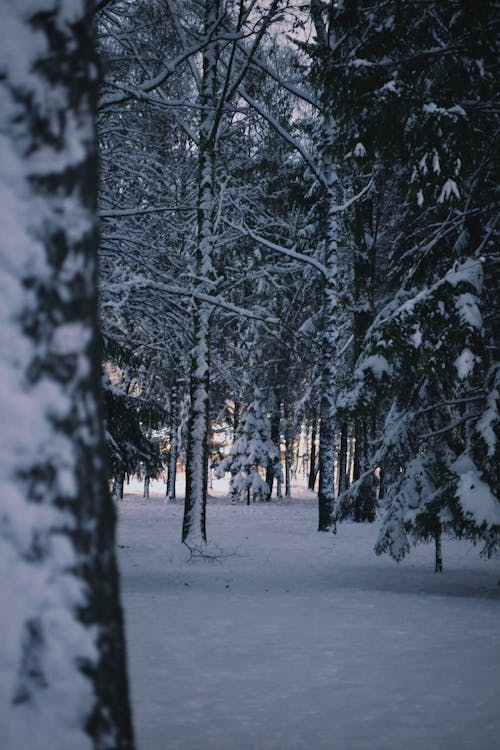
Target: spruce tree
{"x":252,"y":450}
{"x":429,"y":356}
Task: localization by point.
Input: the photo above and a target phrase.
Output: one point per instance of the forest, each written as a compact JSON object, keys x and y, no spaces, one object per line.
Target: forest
{"x":248,"y":290}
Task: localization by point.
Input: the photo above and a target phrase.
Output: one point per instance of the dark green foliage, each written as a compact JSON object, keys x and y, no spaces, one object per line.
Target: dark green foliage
{"x":421,"y":81}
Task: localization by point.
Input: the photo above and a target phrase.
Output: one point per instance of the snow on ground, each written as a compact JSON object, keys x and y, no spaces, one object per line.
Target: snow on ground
{"x":295,"y":640}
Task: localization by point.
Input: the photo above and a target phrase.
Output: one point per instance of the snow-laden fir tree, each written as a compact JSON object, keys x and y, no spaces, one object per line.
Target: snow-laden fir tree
{"x":252,"y":450}
{"x":131,"y":411}
{"x":430,"y":356}
{"x":62,"y":650}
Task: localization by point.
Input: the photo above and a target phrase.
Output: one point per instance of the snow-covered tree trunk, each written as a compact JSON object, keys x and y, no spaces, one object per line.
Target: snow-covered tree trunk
{"x":364,"y":268}
{"x":288,"y":448}
{"x":342,"y":461}
{"x":236,"y":416}
{"x":275,"y":437}
{"x":279,"y":485}
{"x":174,"y":443}
{"x":326,"y":492}
{"x":288,"y":467}
{"x":62,"y":650}
{"x":438,"y":567}
{"x":312,"y":458}
{"x":194,"y":531}
{"x":117,"y":489}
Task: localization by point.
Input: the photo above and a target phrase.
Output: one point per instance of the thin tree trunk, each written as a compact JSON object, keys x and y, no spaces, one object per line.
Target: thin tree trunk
{"x":236,"y":417}
{"x":275,"y":437}
{"x":358,"y":450}
{"x":194,"y":523}
{"x":366,"y":496}
{"x":350,"y":460}
{"x":174,"y":443}
{"x":312,"y":461}
{"x":279,"y":494}
{"x":146,"y":487}
{"x":438,"y":568}
{"x":209,"y":456}
{"x":342,"y":463}
{"x":288,"y":467}
{"x":118,"y":482}
{"x":326,"y":493}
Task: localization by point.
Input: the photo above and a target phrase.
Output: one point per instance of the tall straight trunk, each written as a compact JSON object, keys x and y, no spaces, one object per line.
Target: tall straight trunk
{"x":326,"y":493}
{"x":146,"y":487}
{"x":118,"y":482}
{"x":358,"y":450}
{"x":438,"y":567}
{"x":279,"y":484}
{"x":236,"y":417}
{"x":381,"y":486}
{"x":275,"y":437}
{"x":342,"y":461}
{"x":366,"y":496}
{"x":288,"y":467}
{"x":210,"y":483}
{"x":312,"y":459}
{"x":350,"y":461}
{"x":365,"y":216}
{"x":64,"y":682}
{"x":288,"y":447}
{"x":174,"y":443}
{"x":194,"y":523}
{"x":304,"y":446}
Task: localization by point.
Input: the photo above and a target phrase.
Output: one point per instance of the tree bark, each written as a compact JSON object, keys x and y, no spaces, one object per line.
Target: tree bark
{"x":236,"y":417}
{"x":366,"y":496}
{"x":326,"y":491}
{"x":63,"y":654}
{"x":342,"y":462}
{"x":364,"y":283}
{"x":288,"y":467}
{"x":438,"y":567}
{"x":275,"y":437}
{"x":312,"y":460}
{"x":118,"y":482}
{"x":194,"y":523}
{"x":174,"y":443}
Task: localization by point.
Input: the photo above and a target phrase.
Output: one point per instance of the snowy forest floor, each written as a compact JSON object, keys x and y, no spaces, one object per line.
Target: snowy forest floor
{"x":294,"y":640}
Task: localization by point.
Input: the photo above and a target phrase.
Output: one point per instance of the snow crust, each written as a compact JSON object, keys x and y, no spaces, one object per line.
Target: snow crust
{"x":301,"y":640}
